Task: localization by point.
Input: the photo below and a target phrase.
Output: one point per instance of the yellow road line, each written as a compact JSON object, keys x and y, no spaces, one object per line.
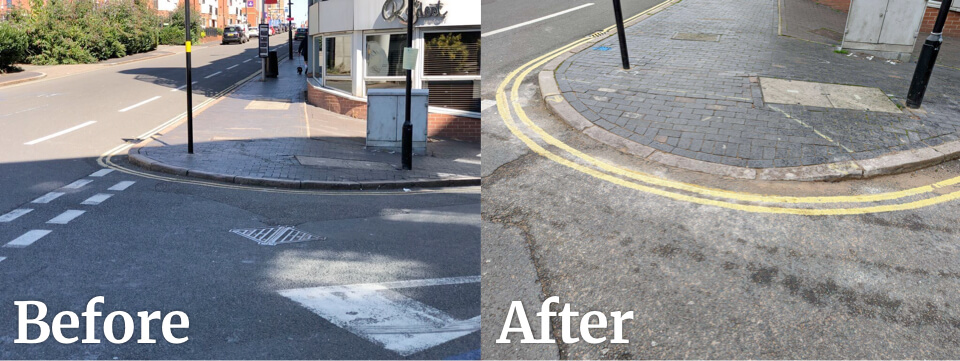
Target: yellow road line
{"x":533,"y":64}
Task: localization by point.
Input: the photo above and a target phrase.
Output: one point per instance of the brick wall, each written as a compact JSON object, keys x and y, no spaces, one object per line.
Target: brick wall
{"x":951,"y":27}
{"x":841,"y":5}
{"x":438,"y":125}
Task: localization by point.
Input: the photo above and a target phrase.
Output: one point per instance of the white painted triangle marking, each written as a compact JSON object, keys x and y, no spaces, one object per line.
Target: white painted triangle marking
{"x":385,"y":317}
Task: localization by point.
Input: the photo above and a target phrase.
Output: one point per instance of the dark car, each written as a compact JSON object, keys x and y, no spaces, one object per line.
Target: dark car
{"x":233,"y":34}
{"x":301,"y":34}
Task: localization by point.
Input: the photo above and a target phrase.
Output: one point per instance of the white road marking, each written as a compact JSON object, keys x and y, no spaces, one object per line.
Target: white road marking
{"x":47,"y":198}
{"x":386,"y":317}
{"x":97,"y":199}
{"x":57,"y":134}
{"x":101,"y":173}
{"x":121,"y":186}
{"x":534,"y":21}
{"x":27,"y":238}
{"x":182,"y":86}
{"x":212,"y":75}
{"x":247,"y":60}
{"x":233,"y":67}
{"x":78,"y":184}
{"x":66,"y":217}
{"x":14,"y":214}
{"x":2,"y":258}
{"x":139,"y":104}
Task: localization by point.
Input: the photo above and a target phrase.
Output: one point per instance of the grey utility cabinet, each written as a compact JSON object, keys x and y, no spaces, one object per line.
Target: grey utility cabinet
{"x":887,"y":28}
{"x":386,"y":109}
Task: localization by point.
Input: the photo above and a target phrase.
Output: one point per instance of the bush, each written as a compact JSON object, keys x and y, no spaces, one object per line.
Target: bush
{"x":172,"y":33}
{"x":13,"y":46}
{"x":70,"y":32}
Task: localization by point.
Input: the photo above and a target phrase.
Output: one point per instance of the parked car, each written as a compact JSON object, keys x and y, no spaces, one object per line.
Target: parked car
{"x":252,"y":32}
{"x":301,"y":34}
{"x":233,"y":34}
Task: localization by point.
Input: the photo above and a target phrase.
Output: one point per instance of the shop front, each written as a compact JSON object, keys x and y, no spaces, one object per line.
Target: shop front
{"x":356,"y":45}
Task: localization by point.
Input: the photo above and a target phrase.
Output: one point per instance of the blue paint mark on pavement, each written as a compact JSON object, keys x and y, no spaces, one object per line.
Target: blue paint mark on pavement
{"x":470,"y":355}
{"x":602,"y":48}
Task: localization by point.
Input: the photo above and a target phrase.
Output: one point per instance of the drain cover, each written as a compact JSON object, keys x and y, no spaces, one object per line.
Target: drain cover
{"x":276,"y":235}
{"x":696,"y":37}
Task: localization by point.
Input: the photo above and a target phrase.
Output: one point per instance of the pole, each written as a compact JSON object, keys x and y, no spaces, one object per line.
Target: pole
{"x":189,"y":79}
{"x":290,"y":27}
{"x":928,"y":58}
{"x":618,"y":13}
{"x":407,"y":136}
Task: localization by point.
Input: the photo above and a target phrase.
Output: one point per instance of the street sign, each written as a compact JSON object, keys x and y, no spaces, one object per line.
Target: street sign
{"x":264,"y":40}
{"x":250,"y":4}
{"x":289,"y":19}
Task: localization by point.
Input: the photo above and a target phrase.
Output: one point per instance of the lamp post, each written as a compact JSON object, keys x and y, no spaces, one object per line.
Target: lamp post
{"x":188,"y":44}
{"x":928,"y":58}
{"x":290,"y":27}
{"x":618,"y":13}
{"x":406,"y":147}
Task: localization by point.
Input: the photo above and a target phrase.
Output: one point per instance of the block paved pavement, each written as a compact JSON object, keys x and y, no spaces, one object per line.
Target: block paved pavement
{"x":702,"y":100}
{"x":264,"y":129}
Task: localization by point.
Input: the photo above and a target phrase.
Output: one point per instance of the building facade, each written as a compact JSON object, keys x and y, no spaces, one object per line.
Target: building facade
{"x":356,"y":45}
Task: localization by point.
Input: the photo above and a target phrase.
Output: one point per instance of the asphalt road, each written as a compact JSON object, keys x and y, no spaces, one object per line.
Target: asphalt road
{"x":160,"y":244}
{"x":703,"y":281}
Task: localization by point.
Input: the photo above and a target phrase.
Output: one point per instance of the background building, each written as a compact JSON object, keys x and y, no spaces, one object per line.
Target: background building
{"x":357,"y":45}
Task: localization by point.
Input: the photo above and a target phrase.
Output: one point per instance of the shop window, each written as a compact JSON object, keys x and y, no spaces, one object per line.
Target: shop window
{"x":460,"y":95}
{"x":386,"y":84}
{"x":384,"y":55}
{"x":451,"y":69}
{"x":451,"y":54}
{"x":338,"y":52}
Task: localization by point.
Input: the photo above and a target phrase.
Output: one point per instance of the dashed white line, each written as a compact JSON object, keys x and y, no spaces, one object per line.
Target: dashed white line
{"x":2,"y":258}
{"x":139,"y":104}
{"x":247,"y":60}
{"x":233,"y":67}
{"x":101,"y":173}
{"x":14,"y":214}
{"x":78,"y":184}
{"x":97,"y":199}
{"x":212,"y":75}
{"x":47,"y":198}
{"x":57,"y":134}
{"x":534,"y":20}
{"x":121,"y":186}
{"x":27,"y":238}
{"x":66,"y":217}
{"x":182,"y":86}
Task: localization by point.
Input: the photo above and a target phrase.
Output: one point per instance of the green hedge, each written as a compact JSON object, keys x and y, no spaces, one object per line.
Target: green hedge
{"x":13,"y":46}
{"x":70,"y":32}
{"x":172,"y":32}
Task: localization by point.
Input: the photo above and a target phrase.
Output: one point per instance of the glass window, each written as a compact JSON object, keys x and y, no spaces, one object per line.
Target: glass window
{"x":384,"y":55}
{"x":344,"y":85}
{"x":339,"y":52}
{"x":460,"y":95}
{"x":452,"y":54}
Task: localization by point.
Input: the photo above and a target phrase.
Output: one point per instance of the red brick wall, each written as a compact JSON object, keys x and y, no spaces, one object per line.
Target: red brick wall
{"x":841,"y":5}
{"x":951,"y":27}
{"x":438,"y":125}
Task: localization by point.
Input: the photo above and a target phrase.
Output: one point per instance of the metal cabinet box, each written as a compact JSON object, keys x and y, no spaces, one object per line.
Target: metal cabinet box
{"x":386,"y":110}
{"x":884,"y":27}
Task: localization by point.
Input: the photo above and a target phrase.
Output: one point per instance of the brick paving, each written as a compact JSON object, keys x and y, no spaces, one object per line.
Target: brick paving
{"x":260,"y":143}
{"x":701,"y":100}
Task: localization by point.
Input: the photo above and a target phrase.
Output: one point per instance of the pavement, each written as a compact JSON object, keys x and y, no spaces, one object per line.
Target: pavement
{"x":160,"y":242}
{"x":700,"y":103}
{"x":713,"y":267}
{"x":265,"y":134}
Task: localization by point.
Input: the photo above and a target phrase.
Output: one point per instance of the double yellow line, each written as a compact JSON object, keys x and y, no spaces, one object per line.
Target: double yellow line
{"x":691,"y":192}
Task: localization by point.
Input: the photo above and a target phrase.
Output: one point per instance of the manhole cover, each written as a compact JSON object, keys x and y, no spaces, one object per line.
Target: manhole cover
{"x":825,"y":95}
{"x":276,"y":235}
{"x":696,"y":37}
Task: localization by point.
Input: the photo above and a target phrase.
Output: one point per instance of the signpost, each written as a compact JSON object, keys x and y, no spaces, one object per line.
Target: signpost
{"x":618,"y":13}
{"x":928,"y":58}
{"x":264,"y":50}
{"x":290,"y":28}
